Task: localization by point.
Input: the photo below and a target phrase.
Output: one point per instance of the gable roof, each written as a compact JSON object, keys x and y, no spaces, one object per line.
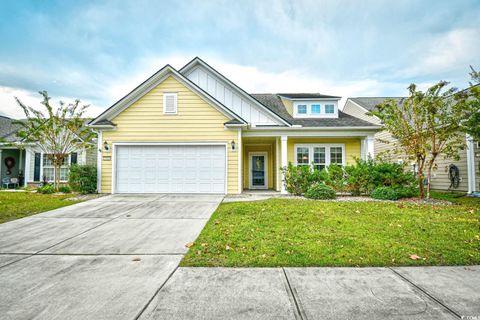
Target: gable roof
{"x":307,"y":96}
{"x":197,"y":61}
{"x":153,"y":81}
{"x":370,"y":103}
{"x":8,"y":129}
{"x":274,"y":103}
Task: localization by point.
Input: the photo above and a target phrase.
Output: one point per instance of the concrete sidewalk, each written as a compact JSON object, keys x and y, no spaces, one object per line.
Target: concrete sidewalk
{"x":319,"y":293}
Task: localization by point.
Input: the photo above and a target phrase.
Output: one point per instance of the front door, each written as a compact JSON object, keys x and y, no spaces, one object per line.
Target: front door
{"x":258,"y":170}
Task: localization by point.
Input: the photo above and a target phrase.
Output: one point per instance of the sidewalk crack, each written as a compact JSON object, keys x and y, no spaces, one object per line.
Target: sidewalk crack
{"x":299,"y":314}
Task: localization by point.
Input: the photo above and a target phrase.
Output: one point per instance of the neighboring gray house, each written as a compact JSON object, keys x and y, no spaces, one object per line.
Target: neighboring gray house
{"x":29,"y":166}
{"x":468,"y":165}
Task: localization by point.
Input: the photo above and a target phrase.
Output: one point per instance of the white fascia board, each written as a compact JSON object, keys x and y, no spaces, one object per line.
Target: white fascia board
{"x":311,"y":133}
{"x":151,"y":83}
{"x":185,"y":69}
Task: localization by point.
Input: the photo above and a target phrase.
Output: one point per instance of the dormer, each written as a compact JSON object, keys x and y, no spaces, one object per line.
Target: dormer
{"x":310,"y":105}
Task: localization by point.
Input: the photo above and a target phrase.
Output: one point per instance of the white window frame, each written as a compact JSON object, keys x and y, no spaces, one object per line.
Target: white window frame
{"x":327,"y":147}
{"x":175,"y":99}
{"x":42,"y":167}
{"x":329,"y":104}
{"x":310,"y":114}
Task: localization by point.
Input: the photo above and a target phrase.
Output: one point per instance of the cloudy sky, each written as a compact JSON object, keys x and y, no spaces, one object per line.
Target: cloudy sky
{"x":99,"y":50}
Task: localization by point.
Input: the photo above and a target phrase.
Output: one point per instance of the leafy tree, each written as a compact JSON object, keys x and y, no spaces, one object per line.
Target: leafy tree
{"x":57,"y":132}
{"x":471,"y":102}
{"x":425,"y":125}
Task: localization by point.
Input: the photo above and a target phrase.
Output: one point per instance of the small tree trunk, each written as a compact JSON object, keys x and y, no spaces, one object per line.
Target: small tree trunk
{"x":429,"y":177}
{"x":420,"y":179}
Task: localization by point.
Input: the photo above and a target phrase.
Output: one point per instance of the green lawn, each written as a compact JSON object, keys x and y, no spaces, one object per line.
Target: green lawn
{"x":284,"y":232}
{"x":15,"y":205}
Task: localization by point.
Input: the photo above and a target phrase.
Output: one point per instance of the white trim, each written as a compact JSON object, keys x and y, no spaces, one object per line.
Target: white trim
{"x":119,"y":144}
{"x":327,"y":147}
{"x":26,"y":174}
{"x":240,"y":162}
{"x":99,"y":161}
{"x":41,"y":167}
{"x":284,"y":149}
{"x":265,"y":169}
{"x":370,"y":147}
{"x":313,"y":133}
{"x":175,"y":102}
{"x":277,"y":162}
{"x":472,"y":185}
{"x":310,"y":115}
{"x":1,"y":163}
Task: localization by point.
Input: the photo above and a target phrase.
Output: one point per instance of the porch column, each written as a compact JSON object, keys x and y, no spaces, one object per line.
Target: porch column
{"x":471,"y":165}
{"x":26,"y":173}
{"x":363,"y":153}
{"x":284,"y":140}
{"x":369,"y":147}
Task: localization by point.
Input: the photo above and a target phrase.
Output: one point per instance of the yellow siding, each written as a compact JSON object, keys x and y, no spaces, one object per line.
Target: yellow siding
{"x":196,"y":120}
{"x":352,"y":146}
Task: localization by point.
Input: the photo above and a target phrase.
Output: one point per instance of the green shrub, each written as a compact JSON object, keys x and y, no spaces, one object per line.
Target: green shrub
{"x":320,"y":191}
{"x":46,"y":189}
{"x":334,"y":177}
{"x":297,"y":179}
{"x":83,"y":179}
{"x":65,"y":189}
{"x":385,"y":193}
{"x":365,"y":176}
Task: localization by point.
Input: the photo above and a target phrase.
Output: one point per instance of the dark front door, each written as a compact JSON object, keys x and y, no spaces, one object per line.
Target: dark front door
{"x":258,"y":172}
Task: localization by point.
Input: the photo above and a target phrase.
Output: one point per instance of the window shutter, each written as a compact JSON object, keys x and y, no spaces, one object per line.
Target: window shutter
{"x":36,"y":171}
{"x":73,"y":158}
{"x":170,"y":103}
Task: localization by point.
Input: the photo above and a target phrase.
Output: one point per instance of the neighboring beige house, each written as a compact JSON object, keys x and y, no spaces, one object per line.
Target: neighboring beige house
{"x":28,"y":166}
{"x":194,"y":131}
{"x":468,"y":165}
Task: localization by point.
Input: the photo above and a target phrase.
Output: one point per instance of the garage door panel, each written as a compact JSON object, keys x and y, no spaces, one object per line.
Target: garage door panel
{"x":170,"y":169}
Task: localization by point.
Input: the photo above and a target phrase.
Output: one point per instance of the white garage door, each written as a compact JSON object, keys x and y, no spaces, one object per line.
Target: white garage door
{"x":170,"y":169}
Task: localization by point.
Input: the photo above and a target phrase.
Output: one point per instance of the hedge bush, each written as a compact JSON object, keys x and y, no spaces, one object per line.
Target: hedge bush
{"x":46,"y":189}
{"x":363,"y":177}
{"x":385,"y":193}
{"x":65,"y":189}
{"x":83,"y":178}
{"x":297,"y":179}
{"x":320,"y":191}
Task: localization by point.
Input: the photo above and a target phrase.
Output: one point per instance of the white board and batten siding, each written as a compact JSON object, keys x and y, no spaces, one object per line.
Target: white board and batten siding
{"x":231,"y":97}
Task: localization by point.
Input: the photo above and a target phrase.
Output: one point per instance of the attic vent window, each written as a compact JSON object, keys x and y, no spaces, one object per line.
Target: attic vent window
{"x":170,"y":103}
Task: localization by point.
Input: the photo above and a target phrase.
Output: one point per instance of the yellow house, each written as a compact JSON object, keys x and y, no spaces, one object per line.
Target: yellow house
{"x":194,"y":131}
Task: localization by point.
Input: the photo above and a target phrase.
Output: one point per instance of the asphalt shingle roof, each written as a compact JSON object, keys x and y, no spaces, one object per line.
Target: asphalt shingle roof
{"x":370,"y":103}
{"x":8,"y":129}
{"x":274,"y":103}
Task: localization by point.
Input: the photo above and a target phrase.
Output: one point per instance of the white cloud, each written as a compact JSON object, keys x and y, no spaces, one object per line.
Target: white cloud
{"x":445,"y":53}
{"x":10,"y":108}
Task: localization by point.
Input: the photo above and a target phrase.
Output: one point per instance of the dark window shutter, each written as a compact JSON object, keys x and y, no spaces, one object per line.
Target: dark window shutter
{"x":73,"y":158}
{"x":36,"y":171}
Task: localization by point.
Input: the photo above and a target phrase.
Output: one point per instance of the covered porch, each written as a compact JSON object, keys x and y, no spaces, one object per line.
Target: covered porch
{"x":263,"y":154}
{"x":12,"y":167}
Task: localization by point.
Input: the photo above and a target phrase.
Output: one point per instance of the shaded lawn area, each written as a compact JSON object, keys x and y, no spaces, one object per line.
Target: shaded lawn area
{"x":15,"y":205}
{"x":285,"y":232}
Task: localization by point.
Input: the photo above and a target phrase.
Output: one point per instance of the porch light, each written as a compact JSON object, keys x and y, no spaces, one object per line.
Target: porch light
{"x":233,"y":145}
{"x":105,"y":146}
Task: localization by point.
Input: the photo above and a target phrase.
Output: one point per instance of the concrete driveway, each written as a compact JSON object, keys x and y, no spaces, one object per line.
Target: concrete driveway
{"x":101,"y":259}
